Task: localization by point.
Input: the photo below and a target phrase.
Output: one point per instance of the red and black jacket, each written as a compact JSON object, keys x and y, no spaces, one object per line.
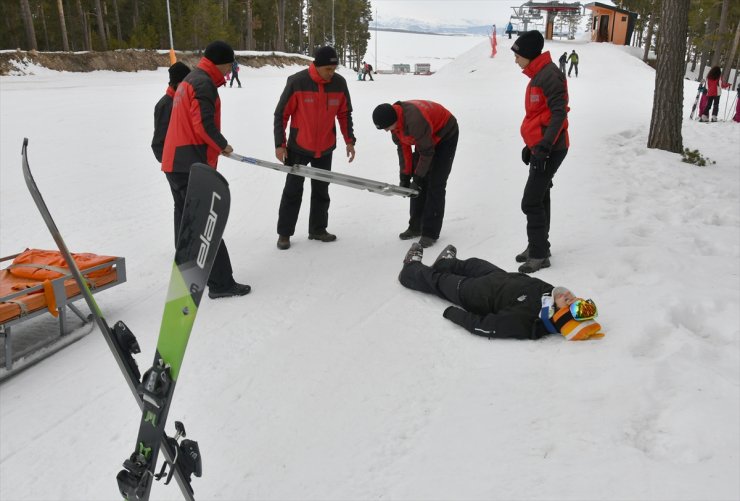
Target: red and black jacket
{"x":195,"y":124}
{"x":162,"y":112}
{"x":422,"y":124}
{"x":546,"y":104}
{"x":312,"y":104}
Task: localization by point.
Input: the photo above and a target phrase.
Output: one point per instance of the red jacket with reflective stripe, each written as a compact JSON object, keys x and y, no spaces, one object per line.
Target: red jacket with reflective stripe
{"x":194,"y":133}
{"x":422,"y":124}
{"x":312,"y":105}
{"x":546,"y":104}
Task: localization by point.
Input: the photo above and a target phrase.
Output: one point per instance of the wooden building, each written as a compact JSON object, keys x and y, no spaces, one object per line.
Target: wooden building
{"x":611,"y":24}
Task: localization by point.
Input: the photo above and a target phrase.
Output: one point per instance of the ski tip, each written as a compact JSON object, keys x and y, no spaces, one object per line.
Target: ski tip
{"x":25,"y":141}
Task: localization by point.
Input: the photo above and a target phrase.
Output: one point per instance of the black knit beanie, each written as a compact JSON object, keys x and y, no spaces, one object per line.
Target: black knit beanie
{"x":219,"y":52}
{"x":384,"y":116}
{"x":325,"y":56}
{"x":529,"y":44}
{"x":178,"y":71}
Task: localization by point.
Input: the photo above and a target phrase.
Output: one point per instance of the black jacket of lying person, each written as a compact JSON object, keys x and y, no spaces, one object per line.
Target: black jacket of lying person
{"x":494,"y":303}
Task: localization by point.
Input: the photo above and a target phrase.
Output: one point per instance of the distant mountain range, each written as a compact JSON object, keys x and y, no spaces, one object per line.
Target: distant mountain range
{"x":406,"y":25}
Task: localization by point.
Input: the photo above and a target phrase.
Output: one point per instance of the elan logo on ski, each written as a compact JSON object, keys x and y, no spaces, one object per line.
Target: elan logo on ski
{"x":207,"y":235}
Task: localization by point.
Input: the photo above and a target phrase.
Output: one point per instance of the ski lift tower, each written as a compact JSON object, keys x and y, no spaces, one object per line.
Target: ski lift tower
{"x":531,"y":12}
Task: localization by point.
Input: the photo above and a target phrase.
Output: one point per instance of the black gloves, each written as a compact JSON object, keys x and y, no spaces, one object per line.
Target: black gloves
{"x":405,"y":180}
{"x":540,"y":153}
{"x":417,"y":183}
{"x":450,"y":310}
{"x":526,"y":155}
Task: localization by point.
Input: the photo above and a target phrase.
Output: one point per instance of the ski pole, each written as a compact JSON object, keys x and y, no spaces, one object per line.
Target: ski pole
{"x":734,"y":100}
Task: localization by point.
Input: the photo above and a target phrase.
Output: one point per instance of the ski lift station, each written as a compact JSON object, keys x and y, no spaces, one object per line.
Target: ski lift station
{"x":560,"y":19}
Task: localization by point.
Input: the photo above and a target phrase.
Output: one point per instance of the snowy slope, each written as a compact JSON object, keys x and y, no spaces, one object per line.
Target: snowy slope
{"x":330,"y":380}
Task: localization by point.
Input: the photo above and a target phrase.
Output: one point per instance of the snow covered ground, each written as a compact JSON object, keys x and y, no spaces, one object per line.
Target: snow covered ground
{"x":330,"y":380}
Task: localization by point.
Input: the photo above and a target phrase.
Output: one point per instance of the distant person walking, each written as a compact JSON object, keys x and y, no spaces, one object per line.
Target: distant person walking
{"x":433,"y":131}
{"x":714,"y":91}
{"x":545,"y":133}
{"x":573,"y":58}
{"x":235,"y":74}
{"x":509,"y":29}
{"x":313,"y":101}
{"x":194,"y":135}
{"x":563,"y":60}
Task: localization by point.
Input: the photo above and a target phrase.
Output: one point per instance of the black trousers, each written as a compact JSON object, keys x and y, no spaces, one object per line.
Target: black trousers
{"x":427,"y":211}
{"x":448,"y":278}
{"x":536,"y":204}
{"x":572,"y":67}
{"x":235,"y":76}
{"x":290,"y":203}
{"x":222,"y":275}
{"x":711,"y":100}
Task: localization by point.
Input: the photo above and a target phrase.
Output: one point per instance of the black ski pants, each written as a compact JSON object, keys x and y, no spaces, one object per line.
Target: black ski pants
{"x":290,"y":203}
{"x":451,"y":279}
{"x":711,"y":100}
{"x":235,"y":76}
{"x":427,"y":211}
{"x":536,"y":204}
{"x":572,"y":67}
{"x":222,"y":275}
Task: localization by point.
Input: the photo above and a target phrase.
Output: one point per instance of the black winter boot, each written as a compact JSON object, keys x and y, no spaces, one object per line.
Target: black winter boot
{"x":409,"y":233}
{"x":414,"y":254}
{"x":449,"y":252}
{"x":322,"y":237}
{"x":520,"y":258}
{"x":533,"y":264}
{"x":236,"y":289}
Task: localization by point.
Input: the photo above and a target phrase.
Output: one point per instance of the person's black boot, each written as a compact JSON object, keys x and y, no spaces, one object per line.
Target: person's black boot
{"x":414,"y":254}
{"x":449,"y":252}
{"x":236,"y":289}
{"x":409,"y":233}
{"x":322,"y":237}
{"x":533,"y":264}
{"x":521,"y":258}
{"x":427,"y":241}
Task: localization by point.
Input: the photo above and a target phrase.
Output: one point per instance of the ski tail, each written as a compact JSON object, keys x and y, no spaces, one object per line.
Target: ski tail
{"x":120,"y":339}
{"x":203,"y":223}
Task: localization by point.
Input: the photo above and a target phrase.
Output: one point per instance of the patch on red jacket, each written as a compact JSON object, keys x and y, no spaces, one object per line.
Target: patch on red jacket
{"x":534,"y":98}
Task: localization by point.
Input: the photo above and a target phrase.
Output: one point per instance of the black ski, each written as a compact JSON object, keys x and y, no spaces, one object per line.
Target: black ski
{"x":699,"y":92}
{"x":120,"y":339}
{"x":201,"y":229}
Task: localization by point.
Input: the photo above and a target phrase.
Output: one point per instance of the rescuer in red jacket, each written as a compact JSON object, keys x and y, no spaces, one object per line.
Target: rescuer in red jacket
{"x":433,"y":132}
{"x":545,"y":133}
{"x":313,"y":101}
{"x":194,"y":136}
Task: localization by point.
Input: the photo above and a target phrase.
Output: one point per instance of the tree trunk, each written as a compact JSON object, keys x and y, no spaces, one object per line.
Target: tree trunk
{"x":42,"y":15}
{"x":250,"y":26}
{"x":649,"y":38}
{"x":101,"y":25}
{"x":63,"y":26}
{"x":28,"y":24}
{"x":83,"y":22}
{"x":118,"y":21}
{"x":300,"y":26}
{"x":280,"y":42}
{"x":665,"y":124}
{"x":716,"y":57}
{"x":731,"y":58}
{"x":136,"y":14}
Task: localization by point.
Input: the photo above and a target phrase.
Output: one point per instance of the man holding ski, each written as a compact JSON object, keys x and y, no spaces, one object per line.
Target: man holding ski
{"x":194,"y":136}
{"x":313,"y":101}
{"x":433,"y":132}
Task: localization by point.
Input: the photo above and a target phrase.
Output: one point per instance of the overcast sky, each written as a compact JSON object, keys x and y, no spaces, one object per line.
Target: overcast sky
{"x":481,"y":11}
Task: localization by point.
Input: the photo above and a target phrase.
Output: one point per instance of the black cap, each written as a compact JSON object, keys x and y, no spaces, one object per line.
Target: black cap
{"x":219,"y":52}
{"x":384,"y":116}
{"x":529,"y":44}
{"x":325,"y":56}
{"x":178,"y":71}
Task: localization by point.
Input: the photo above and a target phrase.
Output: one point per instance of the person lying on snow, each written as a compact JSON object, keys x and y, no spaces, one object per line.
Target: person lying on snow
{"x":494,"y":303}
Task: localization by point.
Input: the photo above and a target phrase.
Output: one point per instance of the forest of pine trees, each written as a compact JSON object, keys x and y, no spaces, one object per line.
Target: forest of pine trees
{"x":297,"y":26}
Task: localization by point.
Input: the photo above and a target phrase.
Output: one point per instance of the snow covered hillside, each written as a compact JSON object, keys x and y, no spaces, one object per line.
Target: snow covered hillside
{"x":332,"y":381}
